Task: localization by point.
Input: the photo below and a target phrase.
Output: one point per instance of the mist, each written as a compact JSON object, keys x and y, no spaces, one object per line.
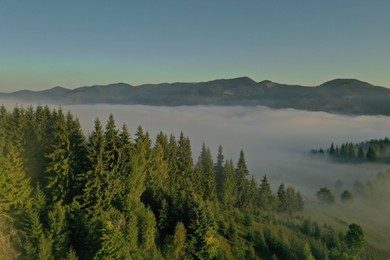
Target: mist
{"x":275,"y":142}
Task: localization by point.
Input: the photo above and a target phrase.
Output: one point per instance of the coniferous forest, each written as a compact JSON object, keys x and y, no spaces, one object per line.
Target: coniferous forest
{"x":112,"y":194}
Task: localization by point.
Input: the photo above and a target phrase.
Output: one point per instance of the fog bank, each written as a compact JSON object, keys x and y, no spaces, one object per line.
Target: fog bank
{"x":274,"y":141}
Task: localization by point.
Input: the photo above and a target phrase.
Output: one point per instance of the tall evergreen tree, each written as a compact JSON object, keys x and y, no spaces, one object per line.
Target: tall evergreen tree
{"x":267,"y":198}
{"x":15,"y":187}
{"x":59,"y":169}
{"x":242,"y":173}
{"x":219,"y":166}
{"x":203,"y":242}
{"x":205,"y":174}
{"x":179,"y":241}
{"x":185,"y":163}
{"x":173,"y":164}
{"x":139,"y":165}
{"x":59,"y":231}
{"x":96,"y":193}
{"x":78,"y":157}
{"x":229,"y":185}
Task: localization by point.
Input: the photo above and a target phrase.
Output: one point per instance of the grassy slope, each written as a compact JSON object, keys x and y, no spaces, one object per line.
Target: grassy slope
{"x":339,"y":216}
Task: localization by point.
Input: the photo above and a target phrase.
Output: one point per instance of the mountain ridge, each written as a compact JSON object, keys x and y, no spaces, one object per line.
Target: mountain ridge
{"x":343,"y":96}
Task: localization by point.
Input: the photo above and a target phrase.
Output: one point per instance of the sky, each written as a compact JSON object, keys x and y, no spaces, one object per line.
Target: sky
{"x":72,"y":43}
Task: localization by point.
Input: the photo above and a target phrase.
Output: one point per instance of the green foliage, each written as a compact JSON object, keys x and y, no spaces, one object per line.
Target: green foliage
{"x":113,"y":241}
{"x":110,"y":197}
{"x":372,"y":153}
{"x":267,"y":199}
{"x":205,"y":174}
{"x":14,"y":185}
{"x":325,"y":196}
{"x":59,"y":230}
{"x":354,"y":238}
{"x":346,"y":196}
{"x":179,"y":241}
{"x":228,"y":193}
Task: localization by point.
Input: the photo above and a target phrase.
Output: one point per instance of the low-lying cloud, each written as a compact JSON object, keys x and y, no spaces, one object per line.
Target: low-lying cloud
{"x":274,"y":141}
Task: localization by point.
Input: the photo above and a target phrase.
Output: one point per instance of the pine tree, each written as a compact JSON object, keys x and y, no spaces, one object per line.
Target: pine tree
{"x":95,"y":179}
{"x":185,"y":164}
{"x":173,"y":165}
{"x":242,"y":173}
{"x":78,"y":157}
{"x":158,"y":176}
{"x":267,"y":198}
{"x":59,"y":169}
{"x":205,"y":174}
{"x":33,"y":233}
{"x":203,"y":242}
{"x":372,"y":153}
{"x":113,"y":241}
{"x":282,"y":197}
{"x":126,"y":147}
{"x":59,"y":230}
{"x":354,"y":238}
{"x":219,"y":175}
{"x":360,"y":154}
{"x":325,"y":195}
{"x":148,"y":230}
{"x":4,"y":118}
{"x":307,"y":255}
{"x":229,"y":185}
{"x":179,"y":241}
{"x":15,"y":188}
{"x":111,"y":146}
{"x":139,"y":163}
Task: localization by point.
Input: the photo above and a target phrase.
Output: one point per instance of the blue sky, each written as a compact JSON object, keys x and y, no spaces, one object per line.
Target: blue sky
{"x":76,"y":43}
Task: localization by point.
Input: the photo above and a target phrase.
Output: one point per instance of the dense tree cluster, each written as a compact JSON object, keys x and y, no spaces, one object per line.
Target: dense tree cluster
{"x":372,"y":151}
{"x":110,"y":196}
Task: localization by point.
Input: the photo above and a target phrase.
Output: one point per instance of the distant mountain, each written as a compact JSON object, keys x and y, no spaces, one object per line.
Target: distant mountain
{"x":345,"y":96}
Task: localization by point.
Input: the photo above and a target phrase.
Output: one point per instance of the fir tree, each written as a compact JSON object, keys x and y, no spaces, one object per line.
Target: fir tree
{"x":59,"y":169}
{"x":242,"y":173}
{"x":267,"y":198}
{"x":59,"y":231}
{"x":15,"y":187}
{"x":205,"y":174}
{"x":219,"y":167}
{"x":229,"y":184}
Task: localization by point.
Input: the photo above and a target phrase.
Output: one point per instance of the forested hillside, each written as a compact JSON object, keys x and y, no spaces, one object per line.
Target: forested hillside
{"x":375,"y":150}
{"x":116,"y":195}
{"x":341,"y":96}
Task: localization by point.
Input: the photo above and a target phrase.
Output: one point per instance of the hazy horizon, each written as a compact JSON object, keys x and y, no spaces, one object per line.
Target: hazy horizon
{"x":73,"y":43}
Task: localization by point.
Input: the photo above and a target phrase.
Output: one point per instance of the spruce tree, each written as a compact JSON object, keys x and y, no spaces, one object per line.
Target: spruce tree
{"x":59,"y":169}
{"x":229,"y":185}
{"x":205,"y":174}
{"x":242,"y":173}
{"x":179,"y":241}
{"x":139,"y":163}
{"x":15,"y":187}
{"x":95,"y":179}
{"x":185,"y":164}
{"x":267,"y":198}
{"x":59,"y":230}
{"x":219,"y":171}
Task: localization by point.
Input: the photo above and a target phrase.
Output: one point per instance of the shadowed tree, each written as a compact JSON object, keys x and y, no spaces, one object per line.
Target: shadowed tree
{"x":325,"y":196}
{"x":354,"y":238}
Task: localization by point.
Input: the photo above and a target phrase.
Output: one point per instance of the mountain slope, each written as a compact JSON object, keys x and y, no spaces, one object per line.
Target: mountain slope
{"x":346,"y":96}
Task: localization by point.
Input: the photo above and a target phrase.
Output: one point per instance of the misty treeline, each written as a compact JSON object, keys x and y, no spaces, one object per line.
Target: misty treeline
{"x":375,"y":150}
{"x":112,"y":195}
